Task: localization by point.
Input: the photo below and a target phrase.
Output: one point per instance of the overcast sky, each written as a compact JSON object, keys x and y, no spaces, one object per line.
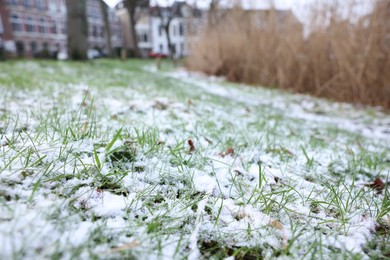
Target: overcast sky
{"x":202,"y":3}
{"x":298,"y":6}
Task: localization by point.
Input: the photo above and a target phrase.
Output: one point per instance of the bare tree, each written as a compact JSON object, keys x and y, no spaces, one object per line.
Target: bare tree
{"x":166,"y":15}
{"x":77,"y":28}
{"x":107,"y":27}
{"x":132,"y":7}
{"x":212,"y":14}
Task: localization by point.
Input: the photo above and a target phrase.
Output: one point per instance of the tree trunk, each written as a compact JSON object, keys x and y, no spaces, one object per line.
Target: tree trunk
{"x":131,"y":5}
{"x":77,"y":28}
{"x":170,"y":47}
{"x":134,"y":38}
{"x":107,"y":28}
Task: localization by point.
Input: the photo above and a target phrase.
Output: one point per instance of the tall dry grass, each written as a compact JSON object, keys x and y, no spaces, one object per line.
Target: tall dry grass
{"x":341,"y":56}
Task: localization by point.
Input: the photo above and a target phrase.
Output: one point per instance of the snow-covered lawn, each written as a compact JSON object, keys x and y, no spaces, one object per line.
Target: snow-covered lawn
{"x":117,"y":160}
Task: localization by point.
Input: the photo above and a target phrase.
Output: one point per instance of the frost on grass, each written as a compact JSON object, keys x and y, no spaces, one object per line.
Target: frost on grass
{"x":169,"y":165}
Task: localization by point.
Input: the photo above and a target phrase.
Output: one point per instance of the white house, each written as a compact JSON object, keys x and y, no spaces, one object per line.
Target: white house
{"x":151,"y":36}
{"x":176,"y":32}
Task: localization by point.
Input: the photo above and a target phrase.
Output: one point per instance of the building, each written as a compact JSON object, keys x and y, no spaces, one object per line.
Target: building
{"x":188,"y":21}
{"x":97,"y":39}
{"x":5,"y":28}
{"x":35,"y":27}
{"x":151,"y":36}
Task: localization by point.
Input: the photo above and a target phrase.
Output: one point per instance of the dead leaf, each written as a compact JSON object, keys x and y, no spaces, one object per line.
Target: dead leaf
{"x":276,"y":224}
{"x":238,"y":172}
{"x":229,"y":151}
{"x":126,"y":246}
{"x":192,"y":146}
{"x":377,"y":185}
{"x":160,"y":105}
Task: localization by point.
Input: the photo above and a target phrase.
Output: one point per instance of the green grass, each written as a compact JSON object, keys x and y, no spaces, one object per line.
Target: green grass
{"x":95,"y":163}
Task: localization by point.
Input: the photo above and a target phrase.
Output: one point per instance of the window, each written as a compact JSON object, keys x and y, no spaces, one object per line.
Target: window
{"x":16,"y":24}
{"x":40,"y":4}
{"x":181,"y":29}
{"x":174,"y":30}
{"x":93,"y":12}
{"x":12,"y":2}
{"x":64,"y":29}
{"x":161,"y":48}
{"x":142,"y":37}
{"x":20,"y":48}
{"x":45,"y":46}
{"x":94,"y":31}
{"x":30,"y":25}
{"x":41,"y":26}
{"x":53,"y":29}
{"x":27,"y":3}
{"x":101,"y":31}
{"x":160,"y":28}
{"x":33,"y":46}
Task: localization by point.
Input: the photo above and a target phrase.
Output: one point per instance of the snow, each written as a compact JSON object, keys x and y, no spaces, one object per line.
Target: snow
{"x":204,"y":183}
{"x":193,"y":244}
{"x":259,"y":196}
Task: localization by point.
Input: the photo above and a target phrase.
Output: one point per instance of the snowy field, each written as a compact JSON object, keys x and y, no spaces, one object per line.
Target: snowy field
{"x":114,"y":160}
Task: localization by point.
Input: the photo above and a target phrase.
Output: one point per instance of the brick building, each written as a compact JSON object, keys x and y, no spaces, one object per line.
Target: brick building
{"x":33,"y":26}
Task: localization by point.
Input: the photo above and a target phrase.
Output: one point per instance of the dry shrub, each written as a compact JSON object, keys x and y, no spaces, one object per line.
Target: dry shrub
{"x":343,"y":56}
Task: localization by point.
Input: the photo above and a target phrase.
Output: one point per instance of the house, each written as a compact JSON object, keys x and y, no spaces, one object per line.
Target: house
{"x":151,"y":36}
{"x":39,"y":26}
{"x":96,"y":32}
{"x":5,"y":27}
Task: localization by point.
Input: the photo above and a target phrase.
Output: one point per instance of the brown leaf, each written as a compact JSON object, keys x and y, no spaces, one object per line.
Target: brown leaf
{"x":276,"y":224}
{"x":229,"y":151}
{"x":192,"y":146}
{"x":377,"y":185}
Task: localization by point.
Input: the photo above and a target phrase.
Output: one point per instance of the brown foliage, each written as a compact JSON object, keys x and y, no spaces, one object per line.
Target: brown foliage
{"x":342,"y":58}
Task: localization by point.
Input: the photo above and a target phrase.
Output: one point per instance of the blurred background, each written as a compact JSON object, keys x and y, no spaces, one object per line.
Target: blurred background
{"x":338,"y":49}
